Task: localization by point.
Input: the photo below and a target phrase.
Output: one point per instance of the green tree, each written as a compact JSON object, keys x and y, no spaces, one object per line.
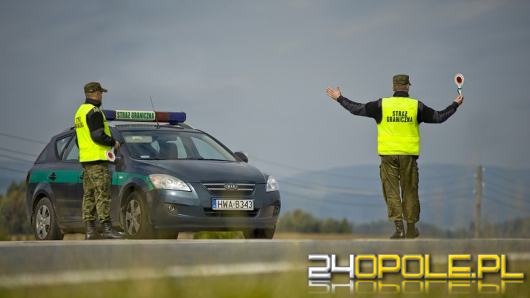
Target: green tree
{"x":303,"y":222}
{"x":13,"y":213}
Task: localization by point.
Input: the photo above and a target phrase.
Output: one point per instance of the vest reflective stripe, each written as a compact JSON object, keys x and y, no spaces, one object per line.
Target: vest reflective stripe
{"x":88,"y":149}
{"x":398,"y":133}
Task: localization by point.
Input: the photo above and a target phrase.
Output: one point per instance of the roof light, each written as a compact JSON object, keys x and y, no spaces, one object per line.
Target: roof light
{"x":145,"y":116}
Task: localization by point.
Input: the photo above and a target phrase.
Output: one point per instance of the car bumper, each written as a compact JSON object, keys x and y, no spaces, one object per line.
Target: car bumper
{"x":191,"y":211}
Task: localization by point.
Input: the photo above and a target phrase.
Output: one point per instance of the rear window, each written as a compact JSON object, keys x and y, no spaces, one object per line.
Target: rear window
{"x":72,"y":152}
{"x":60,"y":145}
{"x":43,"y":156}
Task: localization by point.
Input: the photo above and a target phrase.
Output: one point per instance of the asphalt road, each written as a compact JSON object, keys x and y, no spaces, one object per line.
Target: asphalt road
{"x":25,"y":263}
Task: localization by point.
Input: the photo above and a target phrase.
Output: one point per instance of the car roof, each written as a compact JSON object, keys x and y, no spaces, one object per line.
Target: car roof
{"x":153,"y":126}
{"x":140,"y":126}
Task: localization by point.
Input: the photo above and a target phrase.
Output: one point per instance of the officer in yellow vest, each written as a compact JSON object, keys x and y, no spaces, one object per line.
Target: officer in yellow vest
{"x":398,"y":144}
{"x":95,"y":140}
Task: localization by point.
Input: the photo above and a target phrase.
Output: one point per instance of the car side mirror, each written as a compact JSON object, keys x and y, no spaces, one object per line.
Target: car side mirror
{"x":241,"y":156}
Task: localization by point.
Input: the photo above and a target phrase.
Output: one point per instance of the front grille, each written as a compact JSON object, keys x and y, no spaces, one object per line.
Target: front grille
{"x":230,"y":213}
{"x":230,"y":189}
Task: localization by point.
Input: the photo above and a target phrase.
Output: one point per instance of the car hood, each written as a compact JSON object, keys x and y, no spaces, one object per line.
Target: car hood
{"x":208,"y":170}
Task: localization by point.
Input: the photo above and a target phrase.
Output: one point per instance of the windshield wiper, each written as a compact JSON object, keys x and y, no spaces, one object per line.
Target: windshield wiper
{"x":213,"y":159}
{"x":201,"y":158}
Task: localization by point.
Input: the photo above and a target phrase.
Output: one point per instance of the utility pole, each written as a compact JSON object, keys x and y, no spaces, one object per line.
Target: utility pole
{"x":478,"y":199}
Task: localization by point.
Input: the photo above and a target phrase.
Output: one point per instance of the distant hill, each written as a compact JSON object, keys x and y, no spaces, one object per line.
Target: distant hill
{"x":300,"y":221}
{"x":446,"y":194}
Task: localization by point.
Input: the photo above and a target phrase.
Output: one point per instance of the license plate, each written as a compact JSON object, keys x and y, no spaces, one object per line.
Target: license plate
{"x":222,"y":204}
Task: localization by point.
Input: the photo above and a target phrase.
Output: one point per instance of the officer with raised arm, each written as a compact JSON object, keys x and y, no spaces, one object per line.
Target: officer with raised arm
{"x":398,"y":144}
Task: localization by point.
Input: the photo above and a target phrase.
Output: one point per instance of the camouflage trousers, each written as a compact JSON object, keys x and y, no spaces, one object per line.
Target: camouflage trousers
{"x":399,"y":177}
{"x":96,"y":192}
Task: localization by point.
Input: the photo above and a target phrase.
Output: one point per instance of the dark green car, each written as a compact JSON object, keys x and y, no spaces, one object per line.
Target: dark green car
{"x":165,"y":179}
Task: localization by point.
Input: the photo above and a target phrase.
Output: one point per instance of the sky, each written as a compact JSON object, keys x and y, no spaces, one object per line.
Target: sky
{"x":254,"y":73}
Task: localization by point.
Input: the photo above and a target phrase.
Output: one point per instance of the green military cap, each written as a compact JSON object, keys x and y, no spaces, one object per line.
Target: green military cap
{"x":93,"y":87}
{"x":401,"y":79}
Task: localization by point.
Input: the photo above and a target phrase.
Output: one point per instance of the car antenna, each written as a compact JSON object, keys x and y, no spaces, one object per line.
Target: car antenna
{"x":152,"y":105}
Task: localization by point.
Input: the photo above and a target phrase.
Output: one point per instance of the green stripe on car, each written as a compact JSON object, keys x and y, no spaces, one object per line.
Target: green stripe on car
{"x":74,"y":176}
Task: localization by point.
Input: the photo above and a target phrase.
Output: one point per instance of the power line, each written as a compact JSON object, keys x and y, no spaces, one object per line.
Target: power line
{"x":507,"y":195}
{"x":499,"y":202}
{"x":316,"y":172}
{"x":508,"y":177}
{"x":327,"y":200}
{"x":500,"y":172}
{"x":453,"y":198}
{"x":351,"y":191}
{"x":311,"y":171}
{"x":461,"y":190}
{"x":310,"y":183}
{"x":312,"y":186}
{"x":22,"y":138}
{"x":351,"y":203}
{"x":355,"y":192}
{"x":13,"y":170}
{"x":502,"y":187}
{"x":16,"y":158}
{"x":18,"y":152}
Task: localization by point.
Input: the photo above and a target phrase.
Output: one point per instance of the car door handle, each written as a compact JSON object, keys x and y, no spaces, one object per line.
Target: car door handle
{"x":52,"y":176}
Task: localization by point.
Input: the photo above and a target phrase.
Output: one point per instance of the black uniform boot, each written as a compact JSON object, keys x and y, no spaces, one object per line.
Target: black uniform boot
{"x":91,"y":231}
{"x":109,"y":233}
{"x":400,"y":230}
{"x":412,"y":231}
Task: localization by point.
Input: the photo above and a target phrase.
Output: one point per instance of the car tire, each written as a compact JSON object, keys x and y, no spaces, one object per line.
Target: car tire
{"x":136,"y":223}
{"x":44,"y":221}
{"x":259,"y":233}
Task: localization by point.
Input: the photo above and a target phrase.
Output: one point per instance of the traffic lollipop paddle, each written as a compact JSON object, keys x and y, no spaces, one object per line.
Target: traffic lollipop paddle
{"x":111,"y":156}
{"x":459,"y":81}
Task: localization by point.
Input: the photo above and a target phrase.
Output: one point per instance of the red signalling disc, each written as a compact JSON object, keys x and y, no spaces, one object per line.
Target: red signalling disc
{"x":110,"y":155}
{"x":459,"y":80}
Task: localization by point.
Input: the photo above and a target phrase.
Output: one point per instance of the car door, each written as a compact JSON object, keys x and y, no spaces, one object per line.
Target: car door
{"x":56,"y":175}
{"x":70,"y":175}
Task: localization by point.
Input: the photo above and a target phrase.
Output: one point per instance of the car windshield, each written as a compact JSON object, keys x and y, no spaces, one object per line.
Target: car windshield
{"x":174,"y":145}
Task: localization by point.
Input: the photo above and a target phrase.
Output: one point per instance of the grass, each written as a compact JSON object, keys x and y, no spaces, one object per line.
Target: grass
{"x":289,"y":284}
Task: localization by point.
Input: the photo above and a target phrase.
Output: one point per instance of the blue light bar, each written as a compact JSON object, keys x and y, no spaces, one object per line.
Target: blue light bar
{"x":145,"y":116}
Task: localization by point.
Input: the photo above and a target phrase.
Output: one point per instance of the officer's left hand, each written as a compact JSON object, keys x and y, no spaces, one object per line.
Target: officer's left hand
{"x":117,"y":145}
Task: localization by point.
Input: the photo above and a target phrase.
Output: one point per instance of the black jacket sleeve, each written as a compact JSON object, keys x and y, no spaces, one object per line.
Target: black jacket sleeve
{"x":370,"y":109}
{"x":428,"y":115}
{"x":94,"y":119}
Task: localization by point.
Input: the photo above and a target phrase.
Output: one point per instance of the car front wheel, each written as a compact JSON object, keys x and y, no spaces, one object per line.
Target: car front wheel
{"x":136,"y":223}
{"x":44,"y":221}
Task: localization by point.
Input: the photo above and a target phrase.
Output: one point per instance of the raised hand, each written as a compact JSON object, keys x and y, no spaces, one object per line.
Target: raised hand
{"x":459,"y":99}
{"x":334,"y":93}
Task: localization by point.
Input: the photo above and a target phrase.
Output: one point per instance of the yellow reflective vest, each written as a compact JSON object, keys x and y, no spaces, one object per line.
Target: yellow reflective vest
{"x":398,"y":133}
{"x":88,"y":149}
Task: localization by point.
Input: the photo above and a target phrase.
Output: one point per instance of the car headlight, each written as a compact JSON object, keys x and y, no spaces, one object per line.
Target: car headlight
{"x":272,"y":184}
{"x":161,"y":181}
